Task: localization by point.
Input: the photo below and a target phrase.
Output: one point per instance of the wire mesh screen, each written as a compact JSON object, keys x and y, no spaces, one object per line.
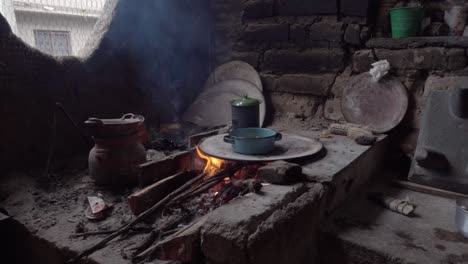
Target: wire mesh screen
{"x":56,"y":27}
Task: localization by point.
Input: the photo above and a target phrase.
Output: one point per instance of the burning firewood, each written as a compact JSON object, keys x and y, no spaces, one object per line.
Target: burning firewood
{"x":124,"y":229}
{"x":146,"y":197}
{"x":202,"y":186}
{"x":220,"y":182}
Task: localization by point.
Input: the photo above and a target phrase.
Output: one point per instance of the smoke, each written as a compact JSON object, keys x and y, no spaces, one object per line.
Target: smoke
{"x":167,"y":42}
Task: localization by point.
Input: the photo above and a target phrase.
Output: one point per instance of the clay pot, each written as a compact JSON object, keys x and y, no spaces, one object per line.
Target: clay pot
{"x":114,"y":161}
{"x":127,"y":125}
{"x":141,"y":129}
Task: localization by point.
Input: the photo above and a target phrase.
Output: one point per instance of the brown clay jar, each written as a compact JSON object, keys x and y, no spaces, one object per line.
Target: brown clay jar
{"x":114,"y":161}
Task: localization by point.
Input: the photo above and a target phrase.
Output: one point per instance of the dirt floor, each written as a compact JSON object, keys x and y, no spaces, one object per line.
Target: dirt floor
{"x":54,"y":209}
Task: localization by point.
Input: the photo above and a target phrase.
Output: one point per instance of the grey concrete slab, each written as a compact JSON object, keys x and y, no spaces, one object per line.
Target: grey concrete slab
{"x":428,"y":237}
{"x":344,"y":167}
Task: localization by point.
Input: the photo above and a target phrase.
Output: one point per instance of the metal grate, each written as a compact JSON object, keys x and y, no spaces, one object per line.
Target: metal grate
{"x":56,"y":27}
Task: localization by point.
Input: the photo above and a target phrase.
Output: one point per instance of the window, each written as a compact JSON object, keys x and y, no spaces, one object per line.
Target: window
{"x":56,"y":43}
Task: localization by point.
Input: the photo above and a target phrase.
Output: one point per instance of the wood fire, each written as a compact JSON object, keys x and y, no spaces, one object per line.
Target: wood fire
{"x":213,"y":164}
{"x":239,"y":178}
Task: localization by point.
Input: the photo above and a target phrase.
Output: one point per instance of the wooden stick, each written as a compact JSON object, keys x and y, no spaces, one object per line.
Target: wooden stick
{"x":106,"y":232}
{"x":155,"y":234}
{"x":198,"y":191}
{"x":216,"y":178}
{"x":140,"y":217}
{"x":429,"y":190}
{"x":150,"y":195}
{"x":151,"y":250}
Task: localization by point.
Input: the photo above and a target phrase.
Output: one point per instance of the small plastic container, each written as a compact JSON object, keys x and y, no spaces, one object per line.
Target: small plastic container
{"x":406,"y":21}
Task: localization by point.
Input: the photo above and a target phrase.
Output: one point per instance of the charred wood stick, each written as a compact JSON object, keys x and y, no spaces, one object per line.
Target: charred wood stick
{"x":216,"y":178}
{"x":106,"y":232}
{"x":148,"y":196}
{"x":169,"y":232}
{"x":185,"y":242}
{"x":155,"y":234}
{"x":202,"y":185}
{"x":140,"y":217}
{"x":198,"y":191}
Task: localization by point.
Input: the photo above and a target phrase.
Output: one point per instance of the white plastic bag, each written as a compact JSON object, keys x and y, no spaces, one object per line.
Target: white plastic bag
{"x":380,"y":69}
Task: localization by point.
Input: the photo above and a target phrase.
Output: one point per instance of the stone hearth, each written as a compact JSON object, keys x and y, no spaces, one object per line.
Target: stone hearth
{"x":242,"y":231}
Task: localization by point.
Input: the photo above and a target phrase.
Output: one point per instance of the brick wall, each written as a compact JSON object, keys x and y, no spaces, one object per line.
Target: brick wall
{"x":306,"y":51}
{"x":299,"y":47}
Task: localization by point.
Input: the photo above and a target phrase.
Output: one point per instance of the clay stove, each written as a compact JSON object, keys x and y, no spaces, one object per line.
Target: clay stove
{"x":278,"y":225}
{"x":240,"y":230}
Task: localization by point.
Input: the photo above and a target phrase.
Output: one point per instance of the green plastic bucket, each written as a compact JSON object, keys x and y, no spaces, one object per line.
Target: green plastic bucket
{"x":406,"y":21}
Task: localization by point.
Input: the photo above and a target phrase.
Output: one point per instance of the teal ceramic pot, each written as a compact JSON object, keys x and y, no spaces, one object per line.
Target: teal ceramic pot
{"x":252,"y":140}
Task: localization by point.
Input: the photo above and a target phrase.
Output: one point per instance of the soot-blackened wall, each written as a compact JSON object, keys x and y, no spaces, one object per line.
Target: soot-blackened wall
{"x":148,"y":58}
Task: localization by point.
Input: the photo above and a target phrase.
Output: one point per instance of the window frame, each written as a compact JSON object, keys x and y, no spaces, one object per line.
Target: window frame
{"x":52,"y":34}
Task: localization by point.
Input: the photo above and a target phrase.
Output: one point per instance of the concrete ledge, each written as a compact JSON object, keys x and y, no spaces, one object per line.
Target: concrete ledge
{"x":226,"y":232}
{"x":293,"y":230}
{"x":428,"y":237}
{"x":243,"y":231}
{"x":418,"y":42}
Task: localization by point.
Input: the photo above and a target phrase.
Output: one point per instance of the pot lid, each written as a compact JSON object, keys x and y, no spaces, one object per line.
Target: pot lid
{"x":246,"y":101}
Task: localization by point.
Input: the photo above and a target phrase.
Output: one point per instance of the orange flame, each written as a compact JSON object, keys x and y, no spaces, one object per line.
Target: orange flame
{"x":213,"y":165}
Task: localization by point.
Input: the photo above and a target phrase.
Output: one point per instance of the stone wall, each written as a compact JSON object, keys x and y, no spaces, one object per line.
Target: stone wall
{"x":306,"y":55}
